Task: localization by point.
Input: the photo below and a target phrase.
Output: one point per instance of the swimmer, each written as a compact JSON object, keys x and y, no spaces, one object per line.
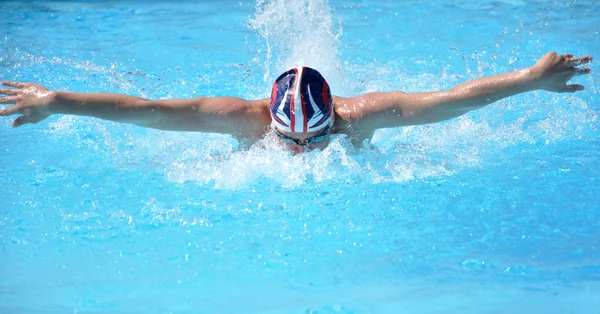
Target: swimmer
{"x":301,"y":112}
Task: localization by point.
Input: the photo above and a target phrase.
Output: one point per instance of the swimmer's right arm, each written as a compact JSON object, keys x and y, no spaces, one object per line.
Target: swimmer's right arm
{"x":393,"y":109}
{"x":230,"y":115}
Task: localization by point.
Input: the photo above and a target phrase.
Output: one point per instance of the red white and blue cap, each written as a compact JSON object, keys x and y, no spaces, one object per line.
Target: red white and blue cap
{"x":301,"y":101}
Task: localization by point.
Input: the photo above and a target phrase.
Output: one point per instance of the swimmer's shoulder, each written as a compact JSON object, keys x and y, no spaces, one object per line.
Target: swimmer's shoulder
{"x":348,"y":120}
{"x":259,"y":110}
{"x":258,"y":119}
{"x":347,"y":111}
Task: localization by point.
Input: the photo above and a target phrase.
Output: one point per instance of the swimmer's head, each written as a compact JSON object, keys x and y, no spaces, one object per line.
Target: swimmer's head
{"x":301,"y":102}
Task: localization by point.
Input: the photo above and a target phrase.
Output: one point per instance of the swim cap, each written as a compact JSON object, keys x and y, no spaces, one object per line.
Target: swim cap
{"x":301,"y":101}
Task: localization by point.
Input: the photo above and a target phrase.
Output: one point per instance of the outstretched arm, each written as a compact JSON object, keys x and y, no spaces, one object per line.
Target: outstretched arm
{"x":236,"y":116}
{"x":384,"y":110}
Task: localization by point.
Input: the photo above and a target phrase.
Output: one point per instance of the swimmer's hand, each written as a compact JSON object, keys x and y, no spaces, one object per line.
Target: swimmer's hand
{"x":553,"y":71}
{"x":29,"y":99}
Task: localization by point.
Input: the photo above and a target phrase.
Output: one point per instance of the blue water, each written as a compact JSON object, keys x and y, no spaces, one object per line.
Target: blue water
{"x":494,"y":212}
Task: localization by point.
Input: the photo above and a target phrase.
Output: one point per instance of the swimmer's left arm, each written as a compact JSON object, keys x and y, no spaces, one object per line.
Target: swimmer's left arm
{"x":393,"y":109}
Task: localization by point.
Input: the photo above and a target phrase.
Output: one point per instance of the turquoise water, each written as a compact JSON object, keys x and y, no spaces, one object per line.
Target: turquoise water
{"x":494,"y":212}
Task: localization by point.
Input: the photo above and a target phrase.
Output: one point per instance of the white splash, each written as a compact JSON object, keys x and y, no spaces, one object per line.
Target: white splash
{"x":299,"y":33}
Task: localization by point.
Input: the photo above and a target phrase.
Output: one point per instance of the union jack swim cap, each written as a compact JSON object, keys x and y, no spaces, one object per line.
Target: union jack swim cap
{"x":301,"y":101}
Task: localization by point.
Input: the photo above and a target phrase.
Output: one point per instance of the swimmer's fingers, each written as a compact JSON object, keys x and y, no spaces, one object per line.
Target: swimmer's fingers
{"x":572,"y":88}
{"x":572,"y":62}
{"x":9,"y":100}
{"x":575,"y":87}
{"x":572,"y":72}
{"x":14,"y":84}
{"x":9,"y":111}
{"x":8,"y":91}
{"x":580,"y":71}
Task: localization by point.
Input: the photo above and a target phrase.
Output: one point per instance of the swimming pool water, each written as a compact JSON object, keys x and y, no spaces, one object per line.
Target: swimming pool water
{"x":494,"y":212}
